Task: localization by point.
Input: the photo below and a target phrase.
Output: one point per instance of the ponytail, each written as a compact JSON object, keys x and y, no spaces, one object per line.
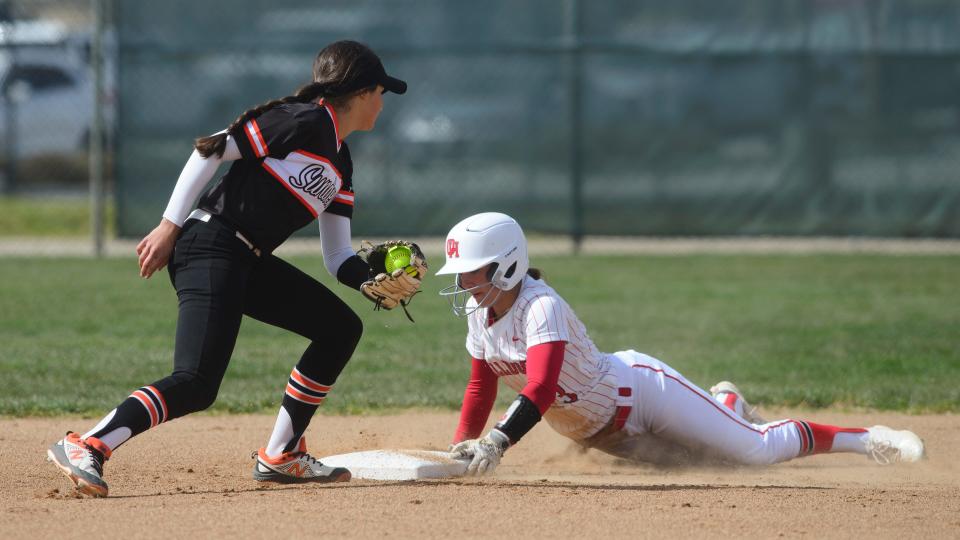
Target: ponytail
{"x":535,"y":273}
{"x":216,"y":144}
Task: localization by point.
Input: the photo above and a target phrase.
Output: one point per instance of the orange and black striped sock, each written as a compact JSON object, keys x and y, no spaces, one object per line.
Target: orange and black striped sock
{"x":144,"y":409}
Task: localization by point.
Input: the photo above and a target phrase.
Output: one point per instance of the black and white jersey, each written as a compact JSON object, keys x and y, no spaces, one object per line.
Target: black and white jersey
{"x":294,"y":167}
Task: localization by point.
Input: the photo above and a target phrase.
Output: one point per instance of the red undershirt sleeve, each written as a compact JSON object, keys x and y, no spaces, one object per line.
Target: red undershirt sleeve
{"x":544,"y":362}
{"x":478,"y":401}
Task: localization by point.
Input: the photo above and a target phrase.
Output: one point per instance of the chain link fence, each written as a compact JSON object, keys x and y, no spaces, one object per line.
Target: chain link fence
{"x":621,"y":117}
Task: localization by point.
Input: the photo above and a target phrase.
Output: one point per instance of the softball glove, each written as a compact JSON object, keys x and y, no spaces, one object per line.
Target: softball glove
{"x":387,"y":289}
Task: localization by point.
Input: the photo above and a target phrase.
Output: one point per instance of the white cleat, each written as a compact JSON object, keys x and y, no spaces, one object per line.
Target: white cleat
{"x":886,"y":446}
{"x":746,"y":411}
{"x":82,"y":462}
{"x":295,"y":467}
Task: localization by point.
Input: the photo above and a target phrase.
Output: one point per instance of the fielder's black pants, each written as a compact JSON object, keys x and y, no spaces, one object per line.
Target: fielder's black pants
{"x":218,"y":280}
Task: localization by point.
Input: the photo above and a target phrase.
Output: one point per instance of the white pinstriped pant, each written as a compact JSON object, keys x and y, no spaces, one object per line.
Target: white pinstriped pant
{"x":673,"y":421}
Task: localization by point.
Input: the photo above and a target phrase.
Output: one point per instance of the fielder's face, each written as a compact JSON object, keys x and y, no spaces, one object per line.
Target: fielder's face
{"x":368,"y":106}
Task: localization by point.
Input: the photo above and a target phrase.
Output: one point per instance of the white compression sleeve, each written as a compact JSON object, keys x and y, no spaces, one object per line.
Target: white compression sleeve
{"x":194,"y":177}
{"x":334,"y":241}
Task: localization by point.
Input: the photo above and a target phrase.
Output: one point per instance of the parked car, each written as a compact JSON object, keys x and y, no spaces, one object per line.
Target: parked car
{"x":46,"y":92}
{"x":46,"y":105}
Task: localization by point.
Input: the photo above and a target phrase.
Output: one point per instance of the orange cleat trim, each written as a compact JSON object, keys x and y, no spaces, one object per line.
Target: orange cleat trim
{"x":99,"y":446}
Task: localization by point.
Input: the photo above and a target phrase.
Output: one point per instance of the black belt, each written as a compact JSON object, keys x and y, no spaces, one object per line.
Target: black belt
{"x":204,"y":216}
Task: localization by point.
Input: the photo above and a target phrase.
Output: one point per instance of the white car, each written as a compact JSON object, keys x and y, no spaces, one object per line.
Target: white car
{"x":46,"y":103}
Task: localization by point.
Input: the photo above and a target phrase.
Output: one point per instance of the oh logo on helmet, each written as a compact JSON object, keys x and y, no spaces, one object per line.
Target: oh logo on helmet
{"x":453,"y":248}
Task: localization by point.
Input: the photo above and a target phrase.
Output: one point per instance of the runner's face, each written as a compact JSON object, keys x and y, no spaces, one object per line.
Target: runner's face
{"x":478,"y":278}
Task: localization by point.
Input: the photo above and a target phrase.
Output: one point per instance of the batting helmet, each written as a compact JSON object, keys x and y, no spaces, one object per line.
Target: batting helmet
{"x":484,"y":239}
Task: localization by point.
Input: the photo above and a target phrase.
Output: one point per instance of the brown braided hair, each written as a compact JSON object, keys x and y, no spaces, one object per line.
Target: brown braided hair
{"x":335,"y":70}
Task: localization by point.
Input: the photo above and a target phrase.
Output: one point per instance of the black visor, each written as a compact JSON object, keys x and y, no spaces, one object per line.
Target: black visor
{"x":373,"y":76}
{"x":392,"y":84}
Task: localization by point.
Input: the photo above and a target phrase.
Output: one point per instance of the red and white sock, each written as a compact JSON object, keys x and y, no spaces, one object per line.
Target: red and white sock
{"x":823,"y":438}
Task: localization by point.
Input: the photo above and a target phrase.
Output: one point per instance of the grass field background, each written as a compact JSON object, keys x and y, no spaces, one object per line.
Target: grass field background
{"x":50,"y":215}
{"x":77,"y":335}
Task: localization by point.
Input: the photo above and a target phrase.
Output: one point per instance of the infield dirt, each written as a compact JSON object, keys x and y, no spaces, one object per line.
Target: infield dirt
{"x":192,"y":478}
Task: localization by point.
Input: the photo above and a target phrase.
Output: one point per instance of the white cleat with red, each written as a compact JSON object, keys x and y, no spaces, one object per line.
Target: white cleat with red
{"x":734,"y":400}
{"x":886,"y":445}
{"x":82,"y":461}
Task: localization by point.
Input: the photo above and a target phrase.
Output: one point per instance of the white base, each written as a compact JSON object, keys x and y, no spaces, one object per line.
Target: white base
{"x":398,"y":464}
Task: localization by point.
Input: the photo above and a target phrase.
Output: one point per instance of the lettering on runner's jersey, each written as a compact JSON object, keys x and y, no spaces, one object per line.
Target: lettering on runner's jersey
{"x":566,"y":398}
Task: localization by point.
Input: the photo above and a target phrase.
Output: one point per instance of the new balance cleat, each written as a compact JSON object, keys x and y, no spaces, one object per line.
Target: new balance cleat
{"x":295,"y":467}
{"x":82,"y":461}
{"x":733,"y":399}
{"x":888,"y":446}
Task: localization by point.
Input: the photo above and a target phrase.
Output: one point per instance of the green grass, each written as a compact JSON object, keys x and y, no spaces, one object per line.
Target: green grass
{"x":862,"y":331}
{"x":34,"y":216}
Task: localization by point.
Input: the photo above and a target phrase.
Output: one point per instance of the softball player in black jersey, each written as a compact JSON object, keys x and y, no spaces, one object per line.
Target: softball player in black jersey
{"x":289,"y":166}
